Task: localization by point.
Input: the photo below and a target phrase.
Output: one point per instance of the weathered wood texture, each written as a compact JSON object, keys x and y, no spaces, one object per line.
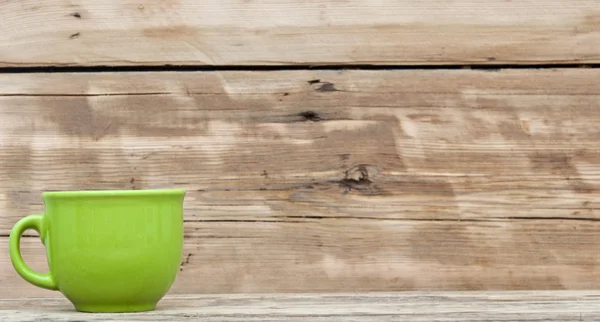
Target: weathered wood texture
{"x":324,"y":181}
{"x":393,"y":307}
{"x":316,"y":32}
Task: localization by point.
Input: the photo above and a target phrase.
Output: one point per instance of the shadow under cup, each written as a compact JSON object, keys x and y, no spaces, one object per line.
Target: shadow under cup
{"x":108,"y":251}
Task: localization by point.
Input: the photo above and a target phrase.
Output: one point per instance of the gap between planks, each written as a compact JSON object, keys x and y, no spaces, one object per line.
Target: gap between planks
{"x":265,"y":68}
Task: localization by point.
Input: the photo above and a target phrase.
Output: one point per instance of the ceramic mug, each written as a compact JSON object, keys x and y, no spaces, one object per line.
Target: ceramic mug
{"x":108,"y":251}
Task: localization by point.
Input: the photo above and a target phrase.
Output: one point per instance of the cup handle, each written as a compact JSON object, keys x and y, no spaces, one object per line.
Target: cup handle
{"x":41,"y":280}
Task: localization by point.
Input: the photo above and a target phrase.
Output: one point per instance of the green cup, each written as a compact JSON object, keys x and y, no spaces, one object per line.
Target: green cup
{"x":108,"y":251}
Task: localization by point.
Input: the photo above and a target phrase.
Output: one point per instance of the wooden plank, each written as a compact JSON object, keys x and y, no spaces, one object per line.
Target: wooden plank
{"x":409,"y":306}
{"x":292,"y":32}
{"x":326,"y":181}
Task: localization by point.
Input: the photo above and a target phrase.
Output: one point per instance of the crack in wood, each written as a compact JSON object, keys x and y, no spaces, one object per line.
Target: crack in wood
{"x":241,"y":221}
{"x":309,"y":217}
{"x":83,"y":94}
{"x":553,"y":218}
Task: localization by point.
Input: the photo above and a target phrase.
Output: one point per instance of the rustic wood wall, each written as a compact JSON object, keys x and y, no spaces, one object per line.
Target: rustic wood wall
{"x":332,"y":179}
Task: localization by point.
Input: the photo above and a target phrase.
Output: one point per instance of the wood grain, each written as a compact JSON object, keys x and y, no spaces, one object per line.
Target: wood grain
{"x":297,"y":32}
{"x":326,"y":181}
{"x":408,"y":306}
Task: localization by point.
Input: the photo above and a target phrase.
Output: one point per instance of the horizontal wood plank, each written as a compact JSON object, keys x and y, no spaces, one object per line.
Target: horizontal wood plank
{"x":326,"y":181}
{"x":297,"y":32}
{"x":393,"y":307}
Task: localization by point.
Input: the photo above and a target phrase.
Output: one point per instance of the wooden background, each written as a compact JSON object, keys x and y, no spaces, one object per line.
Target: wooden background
{"x":448,"y":175}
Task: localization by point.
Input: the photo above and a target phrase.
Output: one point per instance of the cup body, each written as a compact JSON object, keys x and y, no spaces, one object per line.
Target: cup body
{"x":113,"y":251}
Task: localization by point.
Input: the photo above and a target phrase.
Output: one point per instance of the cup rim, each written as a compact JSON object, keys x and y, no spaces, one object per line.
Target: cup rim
{"x":113,"y":193}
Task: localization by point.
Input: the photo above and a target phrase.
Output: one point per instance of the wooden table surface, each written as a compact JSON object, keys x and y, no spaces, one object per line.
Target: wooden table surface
{"x":405,"y":306}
